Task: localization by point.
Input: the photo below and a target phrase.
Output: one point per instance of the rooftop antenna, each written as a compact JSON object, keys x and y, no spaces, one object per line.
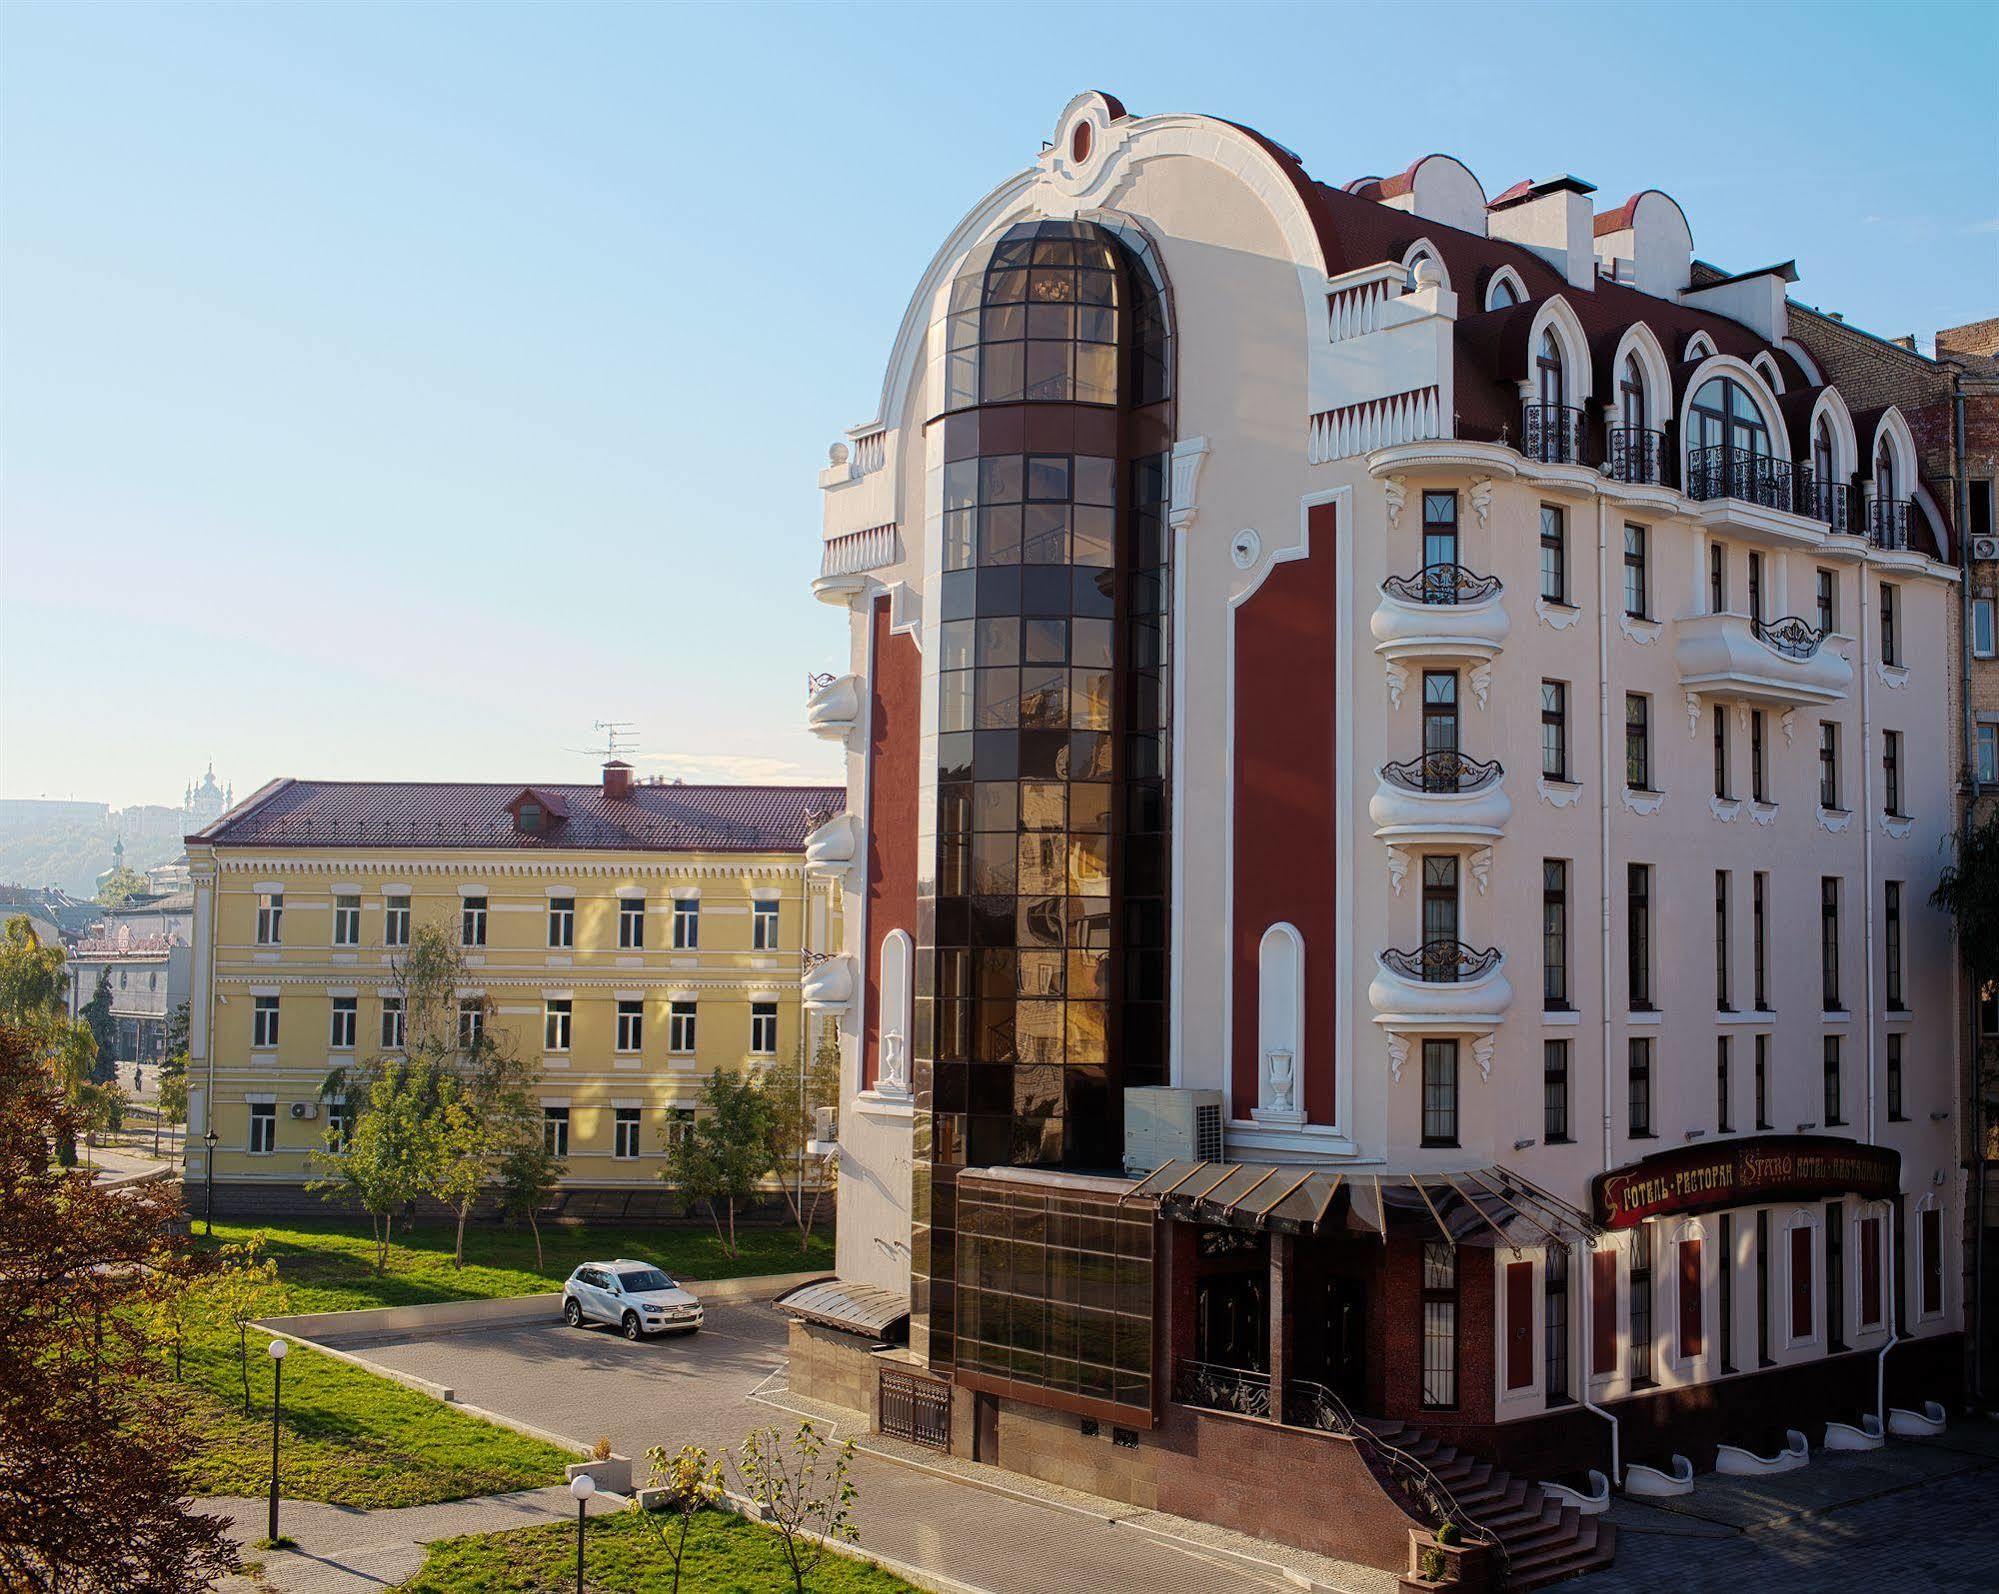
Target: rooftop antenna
{"x":620,"y":739}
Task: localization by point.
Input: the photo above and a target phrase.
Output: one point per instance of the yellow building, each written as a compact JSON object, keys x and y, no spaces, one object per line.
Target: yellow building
{"x":632,"y":937}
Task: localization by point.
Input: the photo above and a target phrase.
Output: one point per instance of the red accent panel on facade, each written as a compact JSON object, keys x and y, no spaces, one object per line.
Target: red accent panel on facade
{"x":1801,"y":1283}
{"x":1519,"y":1325}
{"x":1932,"y":1261}
{"x":1285,"y":797}
{"x":1603,"y":1312}
{"x":895,"y":701}
{"x":1690,"y":1297}
{"x":1870,"y":1271}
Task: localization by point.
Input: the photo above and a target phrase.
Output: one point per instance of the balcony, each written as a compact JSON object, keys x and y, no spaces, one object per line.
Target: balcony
{"x":1441,"y":985}
{"x":1888,"y":523}
{"x":1829,"y":503}
{"x":1440,"y":799}
{"x":1782,"y":662}
{"x":1638,"y":456}
{"x":1440,"y":612}
{"x":1744,"y":475}
{"x":1552,"y":433}
{"x":827,"y":982}
{"x":832,"y":844}
{"x":832,"y":705}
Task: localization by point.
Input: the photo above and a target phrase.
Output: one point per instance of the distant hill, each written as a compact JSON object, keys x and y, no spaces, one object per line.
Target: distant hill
{"x":69,"y":844}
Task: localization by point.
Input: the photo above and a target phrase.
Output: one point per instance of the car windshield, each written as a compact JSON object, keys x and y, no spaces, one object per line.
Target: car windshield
{"x":641,"y":1279}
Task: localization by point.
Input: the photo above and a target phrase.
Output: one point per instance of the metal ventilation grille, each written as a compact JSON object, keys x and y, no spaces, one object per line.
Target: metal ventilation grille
{"x":1208,"y":1132}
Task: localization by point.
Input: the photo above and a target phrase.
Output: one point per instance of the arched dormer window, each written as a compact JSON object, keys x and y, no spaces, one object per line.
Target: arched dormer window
{"x":1505,"y":290}
{"x":1700,"y":347}
{"x":1548,"y":369}
{"x":1828,"y":492}
{"x":1884,"y":473}
{"x":1631,"y":394}
{"x":1728,"y":447}
{"x":1823,"y":468}
{"x":1636,"y":451}
{"x":1766,"y":368}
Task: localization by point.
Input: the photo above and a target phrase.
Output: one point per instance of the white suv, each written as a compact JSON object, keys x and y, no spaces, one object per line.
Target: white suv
{"x":635,"y":1297}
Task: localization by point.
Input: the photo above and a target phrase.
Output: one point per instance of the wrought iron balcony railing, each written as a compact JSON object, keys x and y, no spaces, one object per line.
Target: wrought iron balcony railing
{"x":1888,"y":522}
{"x":1790,"y":637}
{"x":1552,"y":433}
{"x":1442,"y":771}
{"x":1638,"y":455}
{"x":1443,"y":962}
{"x":1442,"y":584}
{"x":1825,"y":502}
{"x":1741,"y":473}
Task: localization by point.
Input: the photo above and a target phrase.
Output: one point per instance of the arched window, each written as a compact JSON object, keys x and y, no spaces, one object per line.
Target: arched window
{"x":1884,"y":473}
{"x":1548,"y":366}
{"x":1822,"y":454}
{"x":1631,"y":393}
{"x":1414,"y":261}
{"x":1725,"y":413}
{"x":1504,"y":294}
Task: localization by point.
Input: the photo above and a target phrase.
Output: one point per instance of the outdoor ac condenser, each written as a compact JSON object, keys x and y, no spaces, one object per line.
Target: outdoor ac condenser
{"x":1162,"y":1123}
{"x":1985,"y":547}
{"x":305,"y":1109}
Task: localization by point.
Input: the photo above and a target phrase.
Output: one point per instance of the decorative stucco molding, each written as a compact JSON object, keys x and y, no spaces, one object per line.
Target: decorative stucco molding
{"x":1481,"y":868}
{"x":1763,"y":813}
{"x":1834,"y":820}
{"x":1896,"y":826}
{"x":1398,"y":1054}
{"x":1560,"y":793}
{"x":1398,"y":681}
{"x":1482,"y":1048}
{"x":1481,"y":498}
{"x":1188,"y":456}
{"x":1643,"y":632}
{"x":1643,"y":802}
{"x":1892,"y":676}
{"x":1398,"y":868}
{"x":1481,"y":680}
{"x":1726,"y":809}
{"x":1245,"y":548}
{"x":1396,"y":495}
{"x":1556,"y":616}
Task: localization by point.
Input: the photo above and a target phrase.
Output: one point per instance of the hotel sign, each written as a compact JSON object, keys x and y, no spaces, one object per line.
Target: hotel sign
{"x":1746,"y":1172}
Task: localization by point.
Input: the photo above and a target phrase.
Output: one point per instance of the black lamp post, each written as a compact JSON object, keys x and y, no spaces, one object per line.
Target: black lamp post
{"x":208,"y":1201}
{"x":278,"y":1349}
{"x":582,"y":1486}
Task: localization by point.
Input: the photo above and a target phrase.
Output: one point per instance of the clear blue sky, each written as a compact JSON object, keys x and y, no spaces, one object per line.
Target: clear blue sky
{"x":390,"y":390}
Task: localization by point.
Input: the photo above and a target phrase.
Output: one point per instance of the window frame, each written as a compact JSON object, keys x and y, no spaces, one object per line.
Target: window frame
{"x":686,"y":924}
{"x":1638,"y":1062}
{"x":394,"y":1028}
{"x":682,"y":1031}
{"x":763,"y":1028}
{"x":1555,"y":937}
{"x":555,"y":1130}
{"x":348,"y":1008}
{"x":558,"y":1018}
{"x":627,"y":1127}
{"x":472,"y":915}
{"x":632,"y":923}
{"x":1555,"y":1092}
{"x":562,"y":923}
{"x":629,"y":1037}
{"x":1638,"y":742}
{"x":1555,"y":731}
{"x":1637,"y":573}
{"x":270,"y":918}
{"x":264,"y":1117}
{"x":765,"y":923}
{"x":395,"y":918}
{"x":1554,"y":555}
{"x":264,"y":1020}
{"x":347,"y":918}
{"x":1441,"y":1112}
{"x":1438,"y":1326}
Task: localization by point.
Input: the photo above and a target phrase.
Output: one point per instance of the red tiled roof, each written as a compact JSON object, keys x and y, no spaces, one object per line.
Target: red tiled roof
{"x":335,"y":813}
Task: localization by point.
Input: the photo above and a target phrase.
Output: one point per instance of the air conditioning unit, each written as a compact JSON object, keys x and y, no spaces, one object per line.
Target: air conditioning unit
{"x":1162,"y":1123}
{"x":825,"y":1132}
{"x":305,"y":1109}
{"x":1985,"y":547}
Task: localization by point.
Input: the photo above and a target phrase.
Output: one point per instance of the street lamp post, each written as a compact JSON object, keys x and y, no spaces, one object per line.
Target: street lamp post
{"x":209,"y":1140}
{"x":582,"y":1486}
{"x":278,"y":1349}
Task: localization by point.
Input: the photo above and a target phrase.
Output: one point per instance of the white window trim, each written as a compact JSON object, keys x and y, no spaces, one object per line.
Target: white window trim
{"x":1692,"y":1229}
{"x":1802,"y":1218}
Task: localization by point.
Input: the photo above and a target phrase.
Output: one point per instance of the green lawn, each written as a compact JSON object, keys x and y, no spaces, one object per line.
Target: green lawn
{"x":329,"y":1263}
{"x":725,"y":1555}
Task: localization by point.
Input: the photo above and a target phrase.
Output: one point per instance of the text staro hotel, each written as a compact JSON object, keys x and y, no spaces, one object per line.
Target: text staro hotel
{"x":1397,"y":744}
{"x":631,"y":937}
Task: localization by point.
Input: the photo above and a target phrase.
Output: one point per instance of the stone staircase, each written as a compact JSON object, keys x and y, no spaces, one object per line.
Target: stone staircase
{"x":1545,"y":1542}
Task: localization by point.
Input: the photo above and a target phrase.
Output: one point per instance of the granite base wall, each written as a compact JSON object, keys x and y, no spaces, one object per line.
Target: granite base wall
{"x":836,"y":1367}
{"x":236,"y":1202}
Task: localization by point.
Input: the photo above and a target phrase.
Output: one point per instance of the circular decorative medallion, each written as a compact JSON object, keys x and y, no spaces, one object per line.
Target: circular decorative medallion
{"x":1245,"y":548}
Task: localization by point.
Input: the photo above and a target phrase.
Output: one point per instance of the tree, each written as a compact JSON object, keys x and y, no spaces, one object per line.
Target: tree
{"x":120,"y":887}
{"x":33,"y":978}
{"x":805,"y":1492}
{"x":103,"y":1030}
{"x":688,"y":1483}
{"x":71,"y":1052}
{"x":527,"y":1174}
{"x":91,"y":1435}
{"x":725,"y":1153}
{"x":793,"y":1098}
{"x":1968,"y":890}
{"x":242,"y":1289}
{"x":392,"y":1154}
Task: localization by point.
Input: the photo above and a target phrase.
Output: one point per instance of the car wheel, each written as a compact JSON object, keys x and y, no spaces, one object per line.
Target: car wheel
{"x":632,"y":1330}
{"x":573,"y":1312}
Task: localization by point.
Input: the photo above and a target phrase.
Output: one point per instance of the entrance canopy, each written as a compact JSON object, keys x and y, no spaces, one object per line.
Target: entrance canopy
{"x":1470,"y":1206}
{"x":864,"y":1309}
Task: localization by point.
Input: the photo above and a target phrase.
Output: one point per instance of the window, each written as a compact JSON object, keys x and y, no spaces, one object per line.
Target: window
{"x":1554,"y":555}
{"x":1762,"y":1081}
{"x":631,"y":1025}
{"x":555,"y":1026}
{"x":471,"y":1022}
{"x":1891,"y":647}
{"x":1828,"y":601}
{"x":1503,"y":295}
{"x":1440,"y":717}
{"x":346,"y":1020}
{"x":1870,"y":1272}
{"x":1987,"y":754}
{"x":680,"y":1028}
{"x":561,"y":921}
{"x":1641,"y":1304}
{"x":1638,"y":1088}
{"x":339,"y":1124}
{"x":1979,"y":502}
{"x":625,"y":1132}
{"x":472,"y":922}
{"x":1440,"y":1324}
{"x":1755,"y":585}
{"x":1717,"y":579}
{"x":1891,"y":773}
{"x":1634,"y":571}
{"x":1759,"y":765}
{"x":1555,"y":1092}
{"x":1829,"y":943}
{"x":1440,"y":915}
{"x":1723,"y":1121}
{"x":686,"y":923}
{"x":1555,"y":730}
{"x":678,"y":1121}
{"x":1829,"y":766}
{"x":555,"y":1131}
{"x":1721,"y":752}
{"x":346,"y":920}
{"x":263,"y":1127}
{"x":632,"y":923}
{"x":1548,"y":369}
{"x":396,"y":919}
{"x":1555,"y":934}
{"x":1723,"y":987}
{"x":264,"y":1021}
{"x":1637,"y":741}
{"x":1440,"y":542}
{"x":763,"y":926}
{"x":392,"y":1023}
{"x":1692,"y":1339}
{"x":1982,"y":644}
{"x":1440,"y":1093}
{"x":1892,"y":942}
{"x":1725,"y":1281}
{"x":1832,"y":1102}
{"x":270,"y":917}
{"x":1835,"y":1276}
{"x":763,"y":1029}
{"x":1759,"y":920}
{"x":1631,"y":394}
{"x":1763,"y":1289}
{"x":1638,"y":935}
{"x":1724,"y":415}
{"x":1896,"y":1113}
{"x":1555,"y":1325}
{"x":1603,"y":1312}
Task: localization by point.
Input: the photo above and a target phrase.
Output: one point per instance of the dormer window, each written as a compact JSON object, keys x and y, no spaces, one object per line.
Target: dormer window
{"x":1726,"y":413}
{"x":1822,"y":454}
{"x":1631,"y":394}
{"x":1884,"y":473}
{"x":1548,"y":366}
{"x":1504,"y":294}
{"x":530,"y":816}
{"x":535,"y":814}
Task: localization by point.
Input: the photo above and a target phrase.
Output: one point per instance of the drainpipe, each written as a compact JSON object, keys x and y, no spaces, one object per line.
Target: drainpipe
{"x":1894,"y":1328}
{"x":1865,"y":786}
{"x":1603,"y":810}
{"x":1583,"y":1256}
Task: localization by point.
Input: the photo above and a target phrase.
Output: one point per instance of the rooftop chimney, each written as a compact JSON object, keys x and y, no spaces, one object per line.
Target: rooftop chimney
{"x":617,"y":778}
{"x":1554,"y":219}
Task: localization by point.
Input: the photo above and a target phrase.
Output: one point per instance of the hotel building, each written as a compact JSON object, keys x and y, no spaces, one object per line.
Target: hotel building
{"x":1397,"y":744}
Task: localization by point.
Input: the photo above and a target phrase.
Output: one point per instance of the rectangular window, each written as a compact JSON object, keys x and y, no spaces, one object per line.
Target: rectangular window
{"x":1724,"y":1278}
{"x":1762,"y":1082}
{"x":763,"y":1029}
{"x":763,"y":926}
{"x":346,"y":1020}
{"x":1759,"y":925}
{"x":472,"y":922}
{"x":686,"y":923}
{"x":263,"y":1127}
{"x":1982,"y":642}
{"x":625,"y":1131}
{"x":392,"y":1023}
{"x":1870,"y":1272}
{"x":1827,"y":594}
{"x":339,"y":1124}
{"x":1721,"y":752}
{"x":1440,"y":714}
{"x":1829,"y":943}
{"x":1637,"y":741}
{"x":396,"y":919}
{"x":1640,"y":1367}
{"x":1891,"y":773}
{"x":1440,"y":540}
{"x":1828,"y":765}
{"x":1987,"y":754}
{"x":1894,"y":1056}
{"x":1555,"y":1325}
{"x":555,"y":1131}
{"x":1638,"y":936}
{"x":1978,"y":500}
{"x":1554,"y":934}
{"x":562,"y":921}
{"x":1634,"y":571}
{"x":1930,"y":1260}
{"x":471,"y":1021}
{"x":1519,"y":1325}
{"x":680,"y":1028}
{"x":346,"y":920}
{"x":1554,"y":555}
{"x":1555,"y":730}
{"x":1440,"y":1325}
{"x":1755,"y":585}
{"x":631,"y":1025}
{"x":1555,"y":1092}
{"x":555,"y":1026}
{"x":1833,"y":1117}
{"x":1722,"y":1113}
{"x":1759,"y":764}
{"x":1692,"y":1339}
{"x":1440,"y":915}
{"x":270,"y":917}
{"x":678,"y":1121}
{"x":1762,"y":1289}
{"x":1891,"y":646}
{"x":1440,"y":1093}
{"x":1717,"y":579}
{"x":1835,"y":1276}
{"x":1724,"y":991}
{"x":1638,"y":1088}
{"x":632,"y":923}
{"x":264,"y":1021}
{"x":1603,"y":1312}
{"x":1891,"y":943}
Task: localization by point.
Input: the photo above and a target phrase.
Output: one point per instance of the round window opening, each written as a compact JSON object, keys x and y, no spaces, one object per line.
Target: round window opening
{"x":1079,"y":143}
